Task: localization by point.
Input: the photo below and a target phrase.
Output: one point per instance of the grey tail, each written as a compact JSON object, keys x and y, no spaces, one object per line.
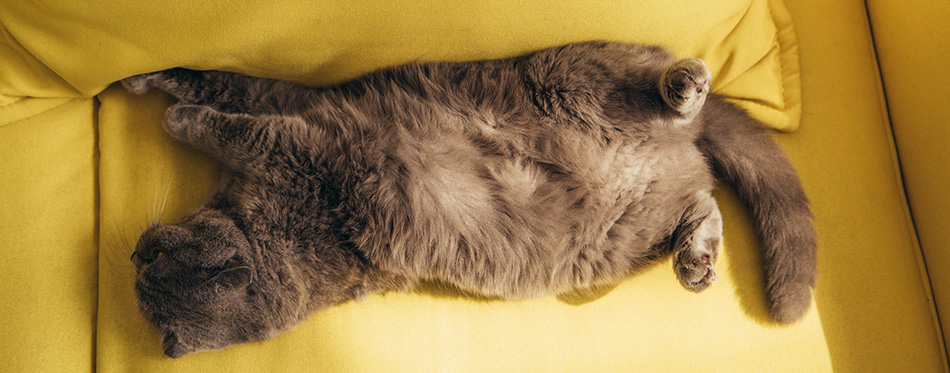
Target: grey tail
{"x":743,"y":154}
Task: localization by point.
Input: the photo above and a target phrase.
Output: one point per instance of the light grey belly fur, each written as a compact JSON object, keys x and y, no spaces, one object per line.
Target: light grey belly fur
{"x":534,"y":224}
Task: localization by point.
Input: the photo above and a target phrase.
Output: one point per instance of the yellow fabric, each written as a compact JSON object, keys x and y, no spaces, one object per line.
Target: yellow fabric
{"x":65,"y":49}
{"x":48,"y":248}
{"x":872,"y":309}
{"x":875,"y":309}
{"x":913,"y":47}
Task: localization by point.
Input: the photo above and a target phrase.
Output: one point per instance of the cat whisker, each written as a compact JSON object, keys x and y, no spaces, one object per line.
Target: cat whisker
{"x":142,"y":332}
{"x":122,"y":236}
{"x":110,"y":264}
{"x":151,"y":211}
{"x":161,"y":209}
{"x":118,"y":246}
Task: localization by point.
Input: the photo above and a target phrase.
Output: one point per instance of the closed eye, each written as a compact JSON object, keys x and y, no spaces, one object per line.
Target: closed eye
{"x":155,"y":255}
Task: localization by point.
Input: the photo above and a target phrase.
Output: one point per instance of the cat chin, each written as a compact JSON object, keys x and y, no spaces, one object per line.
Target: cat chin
{"x":175,"y":348}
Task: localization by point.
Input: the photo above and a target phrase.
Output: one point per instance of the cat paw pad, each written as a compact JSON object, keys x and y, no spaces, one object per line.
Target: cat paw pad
{"x":695,"y":271}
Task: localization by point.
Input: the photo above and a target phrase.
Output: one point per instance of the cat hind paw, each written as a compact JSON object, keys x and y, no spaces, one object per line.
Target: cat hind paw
{"x":695,"y":271}
{"x":685,"y":85}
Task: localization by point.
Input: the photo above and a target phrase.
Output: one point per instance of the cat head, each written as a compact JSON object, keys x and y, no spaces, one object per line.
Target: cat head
{"x":195,"y":283}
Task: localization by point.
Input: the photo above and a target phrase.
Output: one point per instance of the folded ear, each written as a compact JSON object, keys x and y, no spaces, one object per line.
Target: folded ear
{"x":233,"y":278}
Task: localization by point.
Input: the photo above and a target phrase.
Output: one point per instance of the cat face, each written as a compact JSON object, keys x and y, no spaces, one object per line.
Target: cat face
{"x":195,"y":282}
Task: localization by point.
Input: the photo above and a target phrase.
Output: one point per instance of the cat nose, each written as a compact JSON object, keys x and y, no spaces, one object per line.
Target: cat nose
{"x":137,"y":261}
{"x":140,"y":259}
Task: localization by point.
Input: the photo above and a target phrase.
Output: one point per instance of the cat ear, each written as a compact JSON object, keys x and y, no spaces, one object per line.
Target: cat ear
{"x":233,"y":278}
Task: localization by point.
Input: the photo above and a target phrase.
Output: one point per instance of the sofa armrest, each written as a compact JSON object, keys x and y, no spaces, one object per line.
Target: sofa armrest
{"x":913,"y":45}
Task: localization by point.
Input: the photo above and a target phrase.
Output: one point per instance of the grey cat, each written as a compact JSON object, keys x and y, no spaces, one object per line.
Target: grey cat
{"x":565,"y":169}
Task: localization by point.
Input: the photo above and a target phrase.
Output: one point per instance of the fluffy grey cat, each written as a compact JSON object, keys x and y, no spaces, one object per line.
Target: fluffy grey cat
{"x":564,"y":169}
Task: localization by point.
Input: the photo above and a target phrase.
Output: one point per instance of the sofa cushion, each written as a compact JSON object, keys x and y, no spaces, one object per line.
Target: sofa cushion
{"x":48,"y":237}
{"x":913,"y":46}
{"x":61,"y":49}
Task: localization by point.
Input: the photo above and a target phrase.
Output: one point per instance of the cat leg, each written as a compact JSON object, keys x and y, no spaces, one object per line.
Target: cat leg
{"x":684,"y":86}
{"x":224,"y":91}
{"x":696,"y":245}
{"x":239,"y":141}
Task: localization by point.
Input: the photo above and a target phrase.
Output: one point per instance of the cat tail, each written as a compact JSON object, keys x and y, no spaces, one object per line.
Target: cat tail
{"x":742,"y":153}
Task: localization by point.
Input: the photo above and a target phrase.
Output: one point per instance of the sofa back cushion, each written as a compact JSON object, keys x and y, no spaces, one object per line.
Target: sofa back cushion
{"x":69,"y":49}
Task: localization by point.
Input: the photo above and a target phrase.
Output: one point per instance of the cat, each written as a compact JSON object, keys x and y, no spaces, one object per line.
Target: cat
{"x":561,"y":170}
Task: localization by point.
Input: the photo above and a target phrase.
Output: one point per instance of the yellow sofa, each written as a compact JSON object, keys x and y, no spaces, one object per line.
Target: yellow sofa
{"x":857,"y":87}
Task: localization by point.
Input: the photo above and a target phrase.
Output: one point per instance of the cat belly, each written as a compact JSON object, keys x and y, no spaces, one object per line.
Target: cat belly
{"x":639,"y":201}
{"x":523,"y":232}
{"x":522,"y":213}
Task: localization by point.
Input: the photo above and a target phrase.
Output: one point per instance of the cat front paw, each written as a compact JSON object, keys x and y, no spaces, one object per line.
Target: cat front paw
{"x":685,"y":85}
{"x":181,"y":120}
{"x":139,"y":84}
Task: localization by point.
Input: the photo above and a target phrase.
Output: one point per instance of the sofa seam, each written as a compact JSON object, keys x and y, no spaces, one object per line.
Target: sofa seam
{"x":781,"y":48}
{"x":67,"y":101}
{"x":786,"y":45}
{"x":97,"y":162}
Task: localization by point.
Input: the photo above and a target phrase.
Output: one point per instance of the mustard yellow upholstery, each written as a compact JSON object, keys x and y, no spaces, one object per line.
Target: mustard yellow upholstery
{"x":48,"y":237}
{"x":329,"y":43}
{"x":913,"y":46}
{"x":84,"y":167}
